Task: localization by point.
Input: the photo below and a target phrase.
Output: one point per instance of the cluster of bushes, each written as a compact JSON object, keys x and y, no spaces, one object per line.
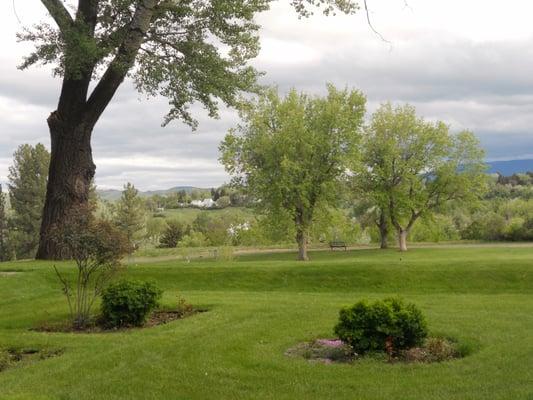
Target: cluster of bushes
{"x":97,"y":247}
{"x":491,"y":220}
{"x":506,"y":213}
{"x":510,"y":220}
{"x":212,"y":229}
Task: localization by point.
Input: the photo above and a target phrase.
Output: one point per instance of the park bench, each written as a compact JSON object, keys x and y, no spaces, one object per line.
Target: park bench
{"x":337,"y":244}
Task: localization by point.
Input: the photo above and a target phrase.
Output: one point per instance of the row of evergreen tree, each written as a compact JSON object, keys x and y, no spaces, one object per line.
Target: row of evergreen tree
{"x":21,"y":207}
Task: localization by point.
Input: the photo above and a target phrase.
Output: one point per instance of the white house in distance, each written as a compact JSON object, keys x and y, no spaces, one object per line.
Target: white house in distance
{"x":205,"y":203}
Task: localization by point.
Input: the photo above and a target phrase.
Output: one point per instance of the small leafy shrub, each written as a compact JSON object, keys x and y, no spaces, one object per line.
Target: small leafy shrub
{"x":374,"y":327}
{"x":128,"y":303}
{"x":184,"y":307}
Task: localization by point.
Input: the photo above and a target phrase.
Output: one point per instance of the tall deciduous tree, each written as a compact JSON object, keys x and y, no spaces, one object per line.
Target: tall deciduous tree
{"x":186,"y":51}
{"x":27,"y":188}
{"x":131,"y":215}
{"x":412,"y":167}
{"x":290,"y":152}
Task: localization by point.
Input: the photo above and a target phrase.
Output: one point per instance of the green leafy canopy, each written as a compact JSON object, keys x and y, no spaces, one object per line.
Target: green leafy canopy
{"x":290,"y":152}
{"x":189,"y":51}
{"x":412,"y":166}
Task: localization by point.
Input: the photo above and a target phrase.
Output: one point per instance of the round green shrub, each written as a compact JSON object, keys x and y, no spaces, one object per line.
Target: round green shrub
{"x":366,"y":327}
{"x":128,"y":302}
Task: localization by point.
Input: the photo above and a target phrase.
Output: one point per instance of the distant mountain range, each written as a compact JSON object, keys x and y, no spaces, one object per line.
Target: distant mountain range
{"x":506,"y":168}
{"x":510,"y":167}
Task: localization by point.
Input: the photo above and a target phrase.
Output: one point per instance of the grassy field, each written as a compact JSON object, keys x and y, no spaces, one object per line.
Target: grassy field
{"x":259,"y":306}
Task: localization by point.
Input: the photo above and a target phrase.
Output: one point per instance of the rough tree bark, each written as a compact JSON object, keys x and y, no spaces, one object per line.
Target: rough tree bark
{"x":402,"y":239}
{"x":301,"y":223}
{"x":301,"y":238}
{"x":383,"y":226}
{"x":70,"y":175}
{"x":71,"y":125}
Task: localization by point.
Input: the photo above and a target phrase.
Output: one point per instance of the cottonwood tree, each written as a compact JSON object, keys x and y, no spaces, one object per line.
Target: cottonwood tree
{"x":290,"y":152}
{"x":412,"y":166}
{"x":27,"y":189}
{"x":186,"y":51}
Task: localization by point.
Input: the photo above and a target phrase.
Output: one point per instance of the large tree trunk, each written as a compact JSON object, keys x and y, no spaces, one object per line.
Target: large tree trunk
{"x":301,"y":238}
{"x":402,"y":238}
{"x":383,"y":231}
{"x":69,"y":179}
{"x":71,"y":165}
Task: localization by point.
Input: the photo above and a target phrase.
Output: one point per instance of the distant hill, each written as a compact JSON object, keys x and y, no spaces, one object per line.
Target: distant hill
{"x":506,"y":168}
{"x":510,"y":167}
{"x":114,"y":194}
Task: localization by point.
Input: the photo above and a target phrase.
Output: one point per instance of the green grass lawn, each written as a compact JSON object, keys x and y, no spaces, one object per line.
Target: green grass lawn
{"x":260,"y":305}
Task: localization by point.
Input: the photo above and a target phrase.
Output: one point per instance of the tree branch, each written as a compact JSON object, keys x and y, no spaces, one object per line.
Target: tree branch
{"x":59,"y":13}
{"x":87,"y":12}
{"x":123,"y":61}
{"x":367,"y":11}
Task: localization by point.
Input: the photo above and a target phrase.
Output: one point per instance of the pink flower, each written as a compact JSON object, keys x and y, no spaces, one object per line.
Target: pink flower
{"x":330,"y":342}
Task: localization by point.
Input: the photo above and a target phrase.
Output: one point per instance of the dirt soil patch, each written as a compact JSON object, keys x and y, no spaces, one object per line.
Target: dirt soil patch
{"x":14,"y":356}
{"x":158,"y":317}
{"x":326,"y":351}
{"x":330,"y":351}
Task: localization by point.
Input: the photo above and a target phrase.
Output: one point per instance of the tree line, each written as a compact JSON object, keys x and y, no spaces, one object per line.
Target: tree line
{"x":310,"y":169}
{"x":294,"y":152}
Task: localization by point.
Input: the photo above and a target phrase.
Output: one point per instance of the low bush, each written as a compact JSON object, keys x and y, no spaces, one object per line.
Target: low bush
{"x":184,"y":307}
{"x":385,"y":325}
{"x":128,"y":303}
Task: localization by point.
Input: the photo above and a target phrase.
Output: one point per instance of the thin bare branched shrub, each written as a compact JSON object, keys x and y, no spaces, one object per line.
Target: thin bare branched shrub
{"x":97,"y":248}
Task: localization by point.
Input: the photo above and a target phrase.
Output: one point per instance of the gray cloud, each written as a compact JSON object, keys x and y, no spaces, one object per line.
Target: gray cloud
{"x":483,"y":85}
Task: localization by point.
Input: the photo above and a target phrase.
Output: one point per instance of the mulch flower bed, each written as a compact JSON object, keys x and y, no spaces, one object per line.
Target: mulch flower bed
{"x":158,"y":317}
{"x":326,"y":351}
{"x":329,"y":351}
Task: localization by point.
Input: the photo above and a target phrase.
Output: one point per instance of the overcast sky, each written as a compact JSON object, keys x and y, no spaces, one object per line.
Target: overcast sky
{"x":469,"y":63}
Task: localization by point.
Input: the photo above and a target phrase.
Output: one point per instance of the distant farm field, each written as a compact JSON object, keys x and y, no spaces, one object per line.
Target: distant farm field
{"x":262,"y":304}
{"x":188,"y":215}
